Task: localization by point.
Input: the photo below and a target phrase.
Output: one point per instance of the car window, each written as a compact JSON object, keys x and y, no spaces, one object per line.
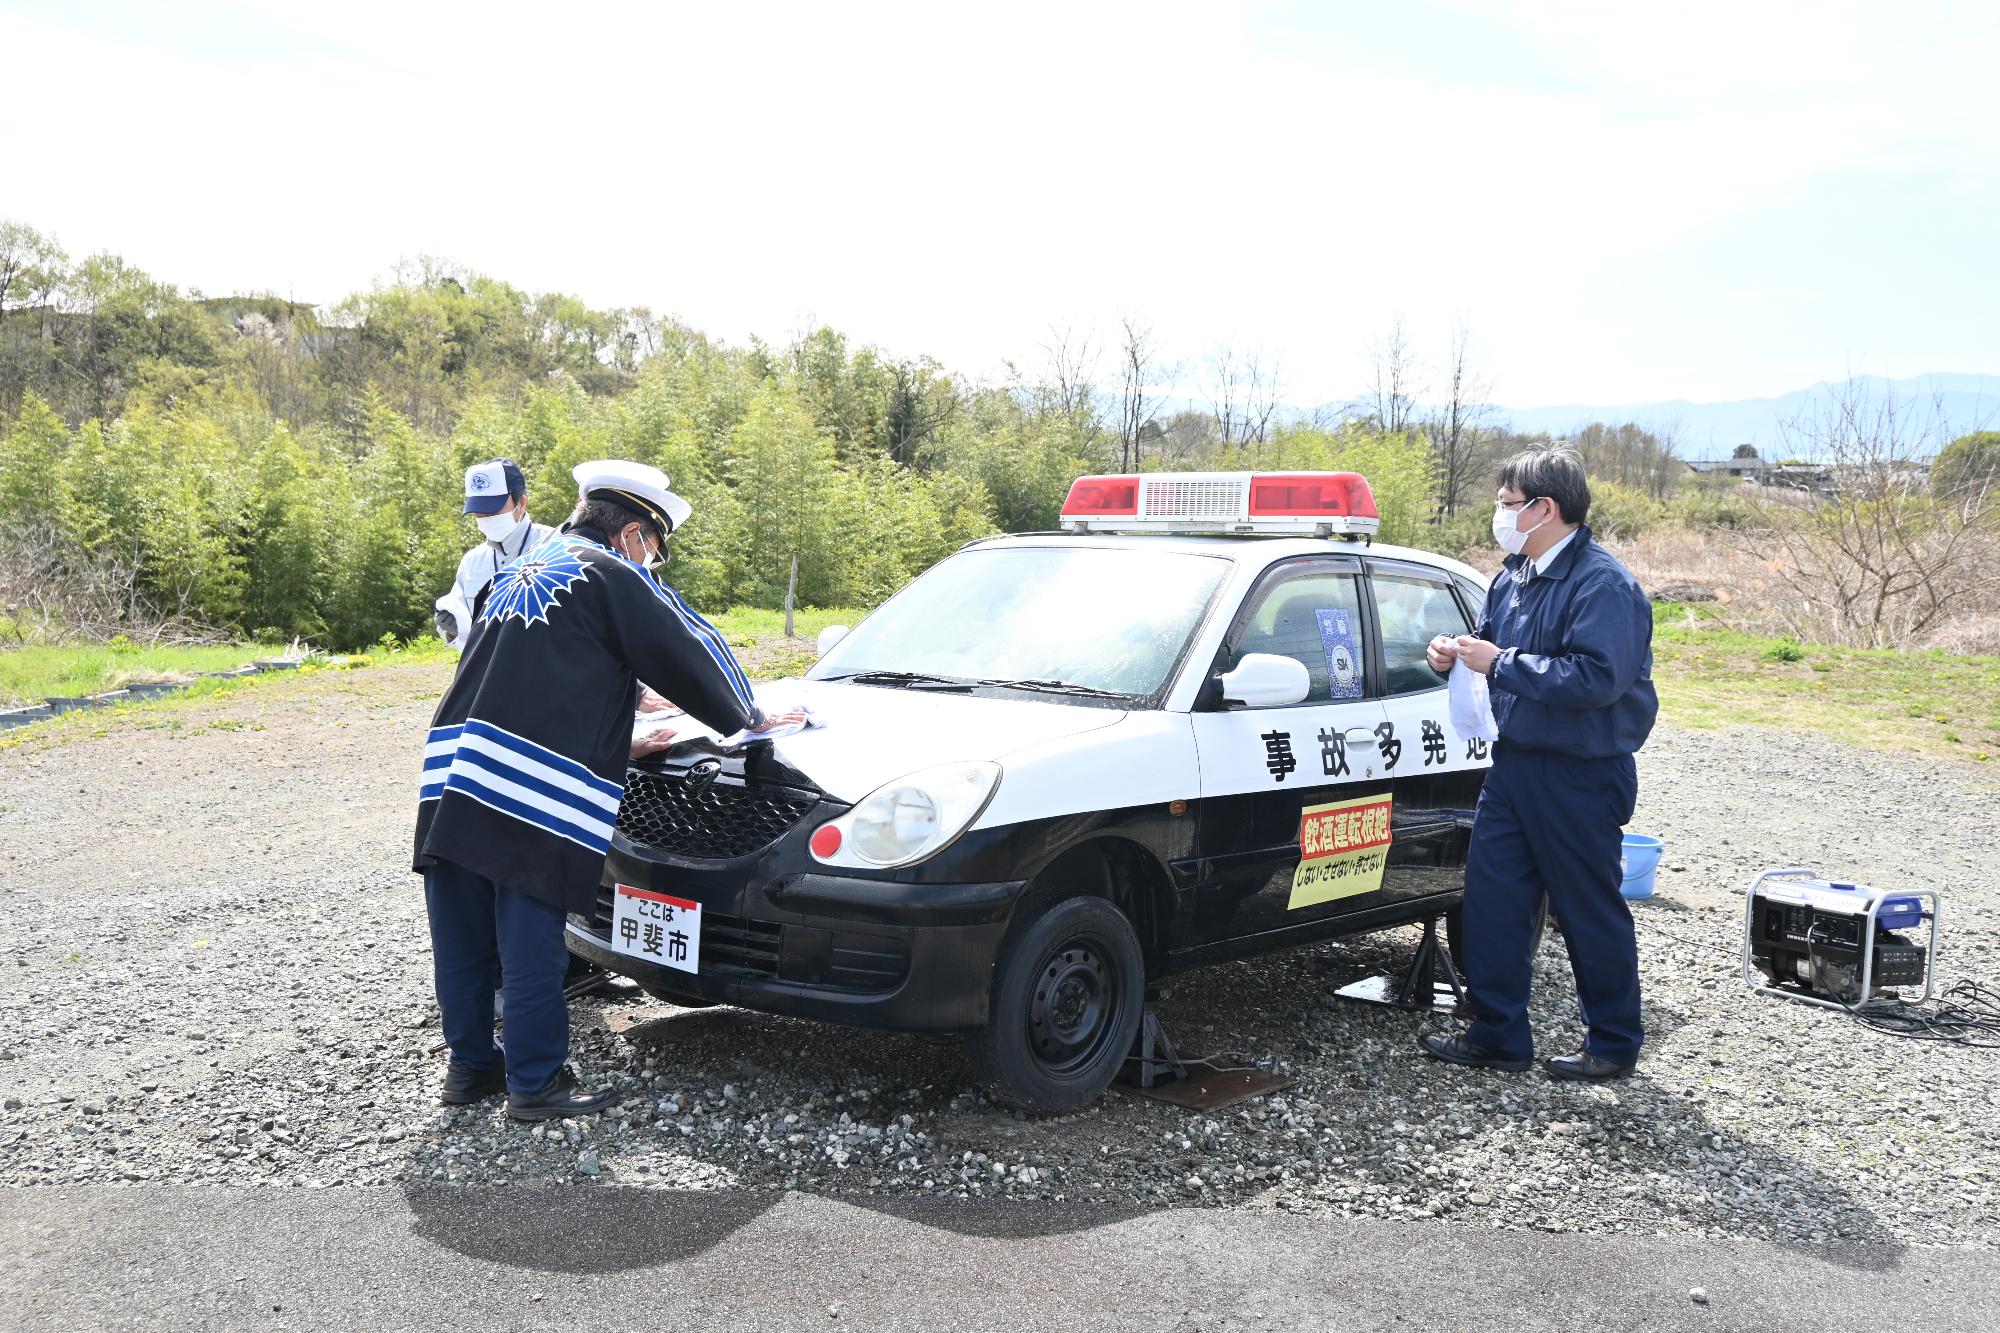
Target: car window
{"x":1312,"y":617}
{"x":1412,"y":610}
{"x":1473,"y":595}
{"x":1112,"y":618}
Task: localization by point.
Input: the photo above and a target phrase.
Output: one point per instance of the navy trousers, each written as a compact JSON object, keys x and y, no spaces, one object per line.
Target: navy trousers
{"x":1551,"y":825}
{"x":483,"y":933}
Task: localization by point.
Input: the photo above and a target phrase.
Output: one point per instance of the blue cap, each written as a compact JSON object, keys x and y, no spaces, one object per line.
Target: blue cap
{"x":491,"y":486}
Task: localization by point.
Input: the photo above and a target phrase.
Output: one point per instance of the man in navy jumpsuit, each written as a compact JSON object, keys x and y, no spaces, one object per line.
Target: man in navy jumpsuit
{"x":1565,"y":642}
{"x":525,"y":765}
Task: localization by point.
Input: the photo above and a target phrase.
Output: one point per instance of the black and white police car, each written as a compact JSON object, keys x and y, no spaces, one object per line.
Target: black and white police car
{"x":1194,"y":725}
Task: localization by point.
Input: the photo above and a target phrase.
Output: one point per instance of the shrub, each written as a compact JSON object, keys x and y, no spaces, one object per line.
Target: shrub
{"x":1713,"y":502}
{"x":1619,"y":512}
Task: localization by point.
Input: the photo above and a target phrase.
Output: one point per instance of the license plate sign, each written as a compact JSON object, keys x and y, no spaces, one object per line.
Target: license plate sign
{"x":656,"y":928}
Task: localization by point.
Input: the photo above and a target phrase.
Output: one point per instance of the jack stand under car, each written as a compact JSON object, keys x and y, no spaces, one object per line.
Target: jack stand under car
{"x":1153,"y":1059}
{"x":1154,"y":1069}
{"x":1419,"y":986}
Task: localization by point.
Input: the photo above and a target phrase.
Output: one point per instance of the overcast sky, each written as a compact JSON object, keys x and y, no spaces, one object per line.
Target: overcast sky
{"x":1625,"y":203}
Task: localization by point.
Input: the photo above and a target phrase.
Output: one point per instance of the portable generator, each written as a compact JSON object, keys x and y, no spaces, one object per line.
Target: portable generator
{"x":1824,"y":942}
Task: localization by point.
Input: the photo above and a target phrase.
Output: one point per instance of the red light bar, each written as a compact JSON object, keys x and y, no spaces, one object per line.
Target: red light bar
{"x":1110,"y":496}
{"x":1311,"y":495}
{"x":1298,"y":504}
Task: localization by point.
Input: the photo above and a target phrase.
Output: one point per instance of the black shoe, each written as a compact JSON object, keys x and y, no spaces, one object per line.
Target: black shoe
{"x":1456,"y":1050}
{"x":560,"y":1100}
{"x":464,"y":1085}
{"x":1583,"y":1065}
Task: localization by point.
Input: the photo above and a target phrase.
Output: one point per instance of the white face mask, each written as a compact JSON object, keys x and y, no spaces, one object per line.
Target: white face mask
{"x":499,"y":527}
{"x":647,"y":559}
{"x":1511,"y":538}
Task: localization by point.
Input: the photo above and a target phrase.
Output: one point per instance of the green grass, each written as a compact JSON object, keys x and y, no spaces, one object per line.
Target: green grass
{"x":33,"y":673}
{"x":29,"y":675}
{"x":1709,"y":676}
{"x":97,"y":721}
{"x":1927,"y":702}
{"x":757,"y":637}
{"x":744,"y":626}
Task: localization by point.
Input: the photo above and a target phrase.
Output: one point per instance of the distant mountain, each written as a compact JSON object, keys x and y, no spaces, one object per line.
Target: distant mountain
{"x":1712,"y":430}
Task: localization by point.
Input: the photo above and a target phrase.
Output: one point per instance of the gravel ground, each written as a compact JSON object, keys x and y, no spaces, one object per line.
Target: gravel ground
{"x":214,"y":969}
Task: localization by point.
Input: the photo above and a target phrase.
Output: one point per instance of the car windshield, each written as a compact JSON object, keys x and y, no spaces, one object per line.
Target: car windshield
{"x":1107,"y":618}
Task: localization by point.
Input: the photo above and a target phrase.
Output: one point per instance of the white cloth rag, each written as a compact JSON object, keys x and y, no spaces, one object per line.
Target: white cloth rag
{"x":1471,"y":709}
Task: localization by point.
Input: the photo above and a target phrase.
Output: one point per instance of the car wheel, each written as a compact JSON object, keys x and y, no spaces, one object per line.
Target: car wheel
{"x":1068,"y":993}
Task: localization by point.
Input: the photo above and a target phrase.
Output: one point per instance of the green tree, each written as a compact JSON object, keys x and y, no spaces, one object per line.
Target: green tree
{"x":1969,"y":468}
{"x":650,"y":425}
{"x":783,"y":470}
{"x":32,"y":269}
{"x":845,"y":394}
{"x":1023,"y":460}
{"x":400,"y":534}
{"x":287,"y":546}
{"x":1397,"y":465}
{"x":31,"y":462}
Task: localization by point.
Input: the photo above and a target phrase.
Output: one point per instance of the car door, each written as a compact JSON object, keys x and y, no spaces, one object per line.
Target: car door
{"x":1268,"y":773}
{"x":1436,"y":771}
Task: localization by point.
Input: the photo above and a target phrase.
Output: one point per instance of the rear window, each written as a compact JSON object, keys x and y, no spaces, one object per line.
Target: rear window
{"x":1412,"y":610}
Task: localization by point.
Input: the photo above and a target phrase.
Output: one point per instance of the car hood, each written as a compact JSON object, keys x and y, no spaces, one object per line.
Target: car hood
{"x":866,"y":735}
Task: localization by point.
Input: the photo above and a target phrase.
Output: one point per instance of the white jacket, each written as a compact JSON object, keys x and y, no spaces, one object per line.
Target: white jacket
{"x":475,"y":570}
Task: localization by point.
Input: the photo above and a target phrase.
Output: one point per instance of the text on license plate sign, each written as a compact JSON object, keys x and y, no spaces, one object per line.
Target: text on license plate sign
{"x":656,"y":928}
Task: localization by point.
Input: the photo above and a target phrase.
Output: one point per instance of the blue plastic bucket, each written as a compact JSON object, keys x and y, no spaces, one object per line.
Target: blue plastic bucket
{"x":1642,"y":859}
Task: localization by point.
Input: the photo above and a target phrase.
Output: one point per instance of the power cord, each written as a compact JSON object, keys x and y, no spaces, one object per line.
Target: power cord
{"x":1961,"y":1014}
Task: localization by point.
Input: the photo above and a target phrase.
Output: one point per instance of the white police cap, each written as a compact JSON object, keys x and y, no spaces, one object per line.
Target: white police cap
{"x":634,"y":485}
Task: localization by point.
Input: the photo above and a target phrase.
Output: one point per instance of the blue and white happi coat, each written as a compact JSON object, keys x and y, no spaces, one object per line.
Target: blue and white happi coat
{"x":526,"y":757}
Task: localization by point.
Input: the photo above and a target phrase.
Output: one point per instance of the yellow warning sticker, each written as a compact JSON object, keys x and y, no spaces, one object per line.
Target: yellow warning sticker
{"x":1342,"y":850}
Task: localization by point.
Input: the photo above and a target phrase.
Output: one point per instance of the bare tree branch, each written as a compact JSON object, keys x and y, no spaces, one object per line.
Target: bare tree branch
{"x":1396,"y":386}
{"x":1876,"y":556}
{"x":1139,"y":372}
{"x":1455,"y":427}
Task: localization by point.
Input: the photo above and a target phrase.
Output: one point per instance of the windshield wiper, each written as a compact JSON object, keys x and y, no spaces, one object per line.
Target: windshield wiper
{"x":913,"y":679}
{"x":1060,"y":687}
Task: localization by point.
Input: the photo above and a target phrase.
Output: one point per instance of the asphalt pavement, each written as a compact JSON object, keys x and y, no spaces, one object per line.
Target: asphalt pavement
{"x":610,"y":1258}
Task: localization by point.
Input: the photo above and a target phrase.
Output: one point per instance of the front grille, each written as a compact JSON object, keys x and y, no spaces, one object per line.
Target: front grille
{"x":736,"y":944}
{"x":730,"y":944}
{"x":712,"y":820}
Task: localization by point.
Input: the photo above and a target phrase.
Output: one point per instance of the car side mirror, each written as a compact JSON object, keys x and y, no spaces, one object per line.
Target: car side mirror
{"x":1265,"y":680}
{"x":829,"y":636}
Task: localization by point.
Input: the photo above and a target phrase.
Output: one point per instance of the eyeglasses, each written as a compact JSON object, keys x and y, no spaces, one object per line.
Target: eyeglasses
{"x":1516,"y":504}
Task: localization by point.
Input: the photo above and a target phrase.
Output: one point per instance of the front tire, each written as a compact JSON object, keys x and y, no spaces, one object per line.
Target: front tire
{"x":1068,"y":994}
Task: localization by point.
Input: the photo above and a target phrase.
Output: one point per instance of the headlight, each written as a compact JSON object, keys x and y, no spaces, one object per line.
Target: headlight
{"x":904,"y":821}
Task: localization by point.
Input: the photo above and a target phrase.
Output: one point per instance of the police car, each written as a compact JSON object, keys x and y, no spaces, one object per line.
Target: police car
{"x":1194,"y":725}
